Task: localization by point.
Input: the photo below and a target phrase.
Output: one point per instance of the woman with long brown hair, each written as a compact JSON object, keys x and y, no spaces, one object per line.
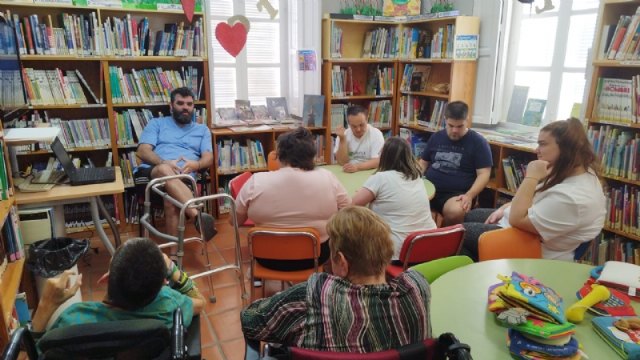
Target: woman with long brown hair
{"x":560,"y":198}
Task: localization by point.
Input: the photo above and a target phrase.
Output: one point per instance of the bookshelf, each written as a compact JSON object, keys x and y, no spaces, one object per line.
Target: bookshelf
{"x":369,"y":63}
{"x":613,"y":126}
{"x":119,"y":70}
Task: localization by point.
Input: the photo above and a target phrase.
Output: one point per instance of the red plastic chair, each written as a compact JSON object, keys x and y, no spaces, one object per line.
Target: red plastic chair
{"x":234,"y":188}
{"x":426,"y":245}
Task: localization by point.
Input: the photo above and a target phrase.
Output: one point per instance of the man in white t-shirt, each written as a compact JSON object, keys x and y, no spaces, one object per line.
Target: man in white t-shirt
{"x":358,"y":148}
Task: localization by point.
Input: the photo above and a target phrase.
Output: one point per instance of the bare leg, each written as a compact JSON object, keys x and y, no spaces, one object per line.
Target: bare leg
{"x":452,"y":212}
{"x":179,"y":191}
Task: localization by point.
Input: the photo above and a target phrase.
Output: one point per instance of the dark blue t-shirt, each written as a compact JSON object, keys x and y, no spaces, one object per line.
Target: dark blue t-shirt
{"x":453,"y":164}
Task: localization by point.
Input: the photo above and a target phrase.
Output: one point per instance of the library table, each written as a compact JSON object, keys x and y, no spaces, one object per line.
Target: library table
{"x":459,"y":304}
{"x":354,"y":181}
{"x":67,"y":194}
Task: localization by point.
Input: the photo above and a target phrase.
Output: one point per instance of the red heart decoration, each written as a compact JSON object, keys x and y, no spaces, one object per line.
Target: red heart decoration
{"x":232,"y":38}
{"x":188,"y":7}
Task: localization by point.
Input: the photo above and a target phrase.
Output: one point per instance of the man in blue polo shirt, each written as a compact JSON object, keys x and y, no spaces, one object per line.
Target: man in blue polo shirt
{"x":458,"y":162}
{"x":173,"y":145}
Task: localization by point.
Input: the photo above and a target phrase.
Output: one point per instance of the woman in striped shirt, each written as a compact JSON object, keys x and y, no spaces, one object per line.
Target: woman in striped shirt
{"x":354,"y":310}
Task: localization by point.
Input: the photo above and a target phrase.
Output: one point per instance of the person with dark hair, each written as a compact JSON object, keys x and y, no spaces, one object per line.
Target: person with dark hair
{"x":358,"y":148}
{"x":273,"y":198}
{"x":458,"y":162}
{"x":135,"y":290}
{"x":396,"y":192}
{"x":172,"y":145}
{"x":560,"y":198}
{"x":356,"y":309}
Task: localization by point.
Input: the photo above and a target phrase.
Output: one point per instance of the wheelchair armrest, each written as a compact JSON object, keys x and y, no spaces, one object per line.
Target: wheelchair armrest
{"x":21,"y":336}
{"x":177,"y":336}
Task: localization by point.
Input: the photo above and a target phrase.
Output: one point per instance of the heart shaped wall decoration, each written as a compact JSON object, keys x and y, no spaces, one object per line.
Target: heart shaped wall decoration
{"x":232,"y":37}
{"x":188,"y":7}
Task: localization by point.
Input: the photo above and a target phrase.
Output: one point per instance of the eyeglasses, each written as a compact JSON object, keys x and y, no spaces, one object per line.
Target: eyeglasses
{"x":180,"y":103}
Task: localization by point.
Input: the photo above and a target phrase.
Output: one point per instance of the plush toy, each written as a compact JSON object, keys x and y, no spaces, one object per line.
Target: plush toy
{"x":575,"y":313}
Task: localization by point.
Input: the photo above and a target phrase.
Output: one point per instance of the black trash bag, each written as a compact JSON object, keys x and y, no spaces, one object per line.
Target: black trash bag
{"x":50,"y":257}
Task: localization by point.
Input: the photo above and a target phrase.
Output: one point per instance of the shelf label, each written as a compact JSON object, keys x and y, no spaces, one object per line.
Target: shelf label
{"x":162,"y":6}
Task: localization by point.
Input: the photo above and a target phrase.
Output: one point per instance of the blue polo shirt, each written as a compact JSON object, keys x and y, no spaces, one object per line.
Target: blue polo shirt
{"x":171,"y":141}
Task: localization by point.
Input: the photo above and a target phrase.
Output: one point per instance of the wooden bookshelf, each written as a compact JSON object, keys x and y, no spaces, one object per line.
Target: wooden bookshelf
{"x":94,"y":67}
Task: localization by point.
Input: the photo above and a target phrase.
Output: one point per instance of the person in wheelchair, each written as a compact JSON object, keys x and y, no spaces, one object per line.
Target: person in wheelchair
{"x":136,"y":288}
{"x":174,"y":145}
{"x":357,"y":309}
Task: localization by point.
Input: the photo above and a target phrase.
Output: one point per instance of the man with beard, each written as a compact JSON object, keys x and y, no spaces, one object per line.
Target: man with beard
{"x":173,"y":145}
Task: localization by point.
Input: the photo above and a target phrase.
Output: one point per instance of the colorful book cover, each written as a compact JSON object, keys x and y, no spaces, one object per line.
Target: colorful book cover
{"x":533,"y":112}
{"x":313,"y":110}
{"x":625,"y":341}
{"x":530,"y":294}
{"x":277,"y":108}
{"x":401,"y":7}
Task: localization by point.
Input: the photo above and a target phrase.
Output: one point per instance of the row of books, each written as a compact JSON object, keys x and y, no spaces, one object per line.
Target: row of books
{"x":128,"y":163}
{"x":620,"y":41}
{"x":617,"y":100}
{"x":380,"y":43}
{"x":234,"y":157}
{"x":52,"y":87}
{"x":83,"y":133}
{"x":623,"y":204}
{"x":11,"y":90}
{"x":416,"y":43}
{"x":415,"y":77}
{"x":78,"y":216}
{"x":616,"y":150}
{"x":5,"y":189}
{"x":379,"y":113}
{"x":422,"y":111}
{"x":276,"y":111}
{"x":608,"y":247}
{"x":131,"y":122}
{"x":514,"y":171}
{"x":11,"y":241}
{"x":82,"y":35}
{"x":380,"y":80}
{"x":442,"y":43}
{"x":342,"y":81}
{"x":151,"y":85}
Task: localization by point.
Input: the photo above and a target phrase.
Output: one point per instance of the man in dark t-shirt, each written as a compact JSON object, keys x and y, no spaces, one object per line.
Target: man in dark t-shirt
{"x":458,"y":162}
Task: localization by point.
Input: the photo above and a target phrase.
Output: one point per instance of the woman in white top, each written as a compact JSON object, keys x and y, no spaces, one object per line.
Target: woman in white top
{"x":560,"y":198}
{"x":396,"y":192}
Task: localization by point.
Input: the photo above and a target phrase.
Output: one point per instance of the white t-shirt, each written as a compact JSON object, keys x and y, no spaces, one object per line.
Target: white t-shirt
{"x":365,"y":148}
{"x":566,"y":215}
{"x":402,"y":203}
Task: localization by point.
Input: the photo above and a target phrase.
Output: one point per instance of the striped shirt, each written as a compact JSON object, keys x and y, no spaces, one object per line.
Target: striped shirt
{"x":329,"y":313}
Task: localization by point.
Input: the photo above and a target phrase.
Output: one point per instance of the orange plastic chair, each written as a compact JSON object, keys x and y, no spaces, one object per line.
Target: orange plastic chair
{"x":509,"y":243}
{"x":426,"y":245}
{"x":234,"y":189}
{"x":272,"y":161}
{"x":283,"y":244}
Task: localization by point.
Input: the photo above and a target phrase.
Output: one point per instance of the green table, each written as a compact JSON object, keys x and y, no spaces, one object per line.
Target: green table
{"x":459,"y":304}
{"x":354,"y":181}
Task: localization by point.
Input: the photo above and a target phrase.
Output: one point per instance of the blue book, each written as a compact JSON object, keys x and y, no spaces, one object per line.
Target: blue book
{"x":618,"y":339}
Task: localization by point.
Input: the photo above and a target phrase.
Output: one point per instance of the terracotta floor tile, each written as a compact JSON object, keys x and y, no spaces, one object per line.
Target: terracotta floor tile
{"x":234,"y":349}
{"x":207,"y":335}
{"x":212,"y":353}
{"x":228,"y":297}
{"x":226,"y":325}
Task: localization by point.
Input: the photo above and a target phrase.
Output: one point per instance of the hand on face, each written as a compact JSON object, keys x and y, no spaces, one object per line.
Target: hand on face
{"x":538,"y":169}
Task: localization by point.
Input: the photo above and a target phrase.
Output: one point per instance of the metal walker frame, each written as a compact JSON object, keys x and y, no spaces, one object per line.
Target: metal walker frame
{"x":157,"y":186}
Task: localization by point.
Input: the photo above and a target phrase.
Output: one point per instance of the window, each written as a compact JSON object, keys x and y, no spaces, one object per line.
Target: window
{"x":258,"y":71}
{"x":548,"y":53}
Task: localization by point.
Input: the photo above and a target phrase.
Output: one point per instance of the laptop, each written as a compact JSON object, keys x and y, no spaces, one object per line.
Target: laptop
{"x":82,"y":176}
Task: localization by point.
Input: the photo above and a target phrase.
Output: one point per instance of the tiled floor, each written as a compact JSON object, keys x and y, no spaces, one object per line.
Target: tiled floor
{"x":220,"y":324}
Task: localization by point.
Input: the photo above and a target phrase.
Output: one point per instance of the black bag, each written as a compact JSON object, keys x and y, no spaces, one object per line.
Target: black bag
{"x":50,"y":257}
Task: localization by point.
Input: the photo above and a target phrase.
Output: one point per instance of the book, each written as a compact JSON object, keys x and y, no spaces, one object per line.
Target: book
{"x":228,"y":114}
{"x":313,"y":110}
{"x":260,"y":112}
{"x":517,"y":104}
{"x":243,"y":110}
{"x":620,"y":339}
{"x":277,"y":108}
{"x":86,"y":85}
{"x":533,"y":112}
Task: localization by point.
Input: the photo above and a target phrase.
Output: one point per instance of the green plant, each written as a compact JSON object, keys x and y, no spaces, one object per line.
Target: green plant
{"x":441,"y":6}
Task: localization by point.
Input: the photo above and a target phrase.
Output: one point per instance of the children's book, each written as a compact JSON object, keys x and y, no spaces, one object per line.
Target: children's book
{"x":530,"y":294}
{"x":243,"y":110}
{"x":522,"y":347}
{"x":260,"y":112}
{"x":617,"y":334}
{"x":533,"y":112}
{"x":313,"y":110}
{"x":278,"y":110}
{"x":618,"y":303}
{"x":420,"y":77}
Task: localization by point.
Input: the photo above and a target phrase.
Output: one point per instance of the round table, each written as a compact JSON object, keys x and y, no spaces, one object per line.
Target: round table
{"x":459,"y":304}
{"x":354,"y":181}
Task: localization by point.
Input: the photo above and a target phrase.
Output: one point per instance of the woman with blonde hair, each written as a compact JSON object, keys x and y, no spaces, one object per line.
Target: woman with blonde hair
{"x":356,"y":309}
{"x":396,"y":192}
{"x":560,"y":198}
